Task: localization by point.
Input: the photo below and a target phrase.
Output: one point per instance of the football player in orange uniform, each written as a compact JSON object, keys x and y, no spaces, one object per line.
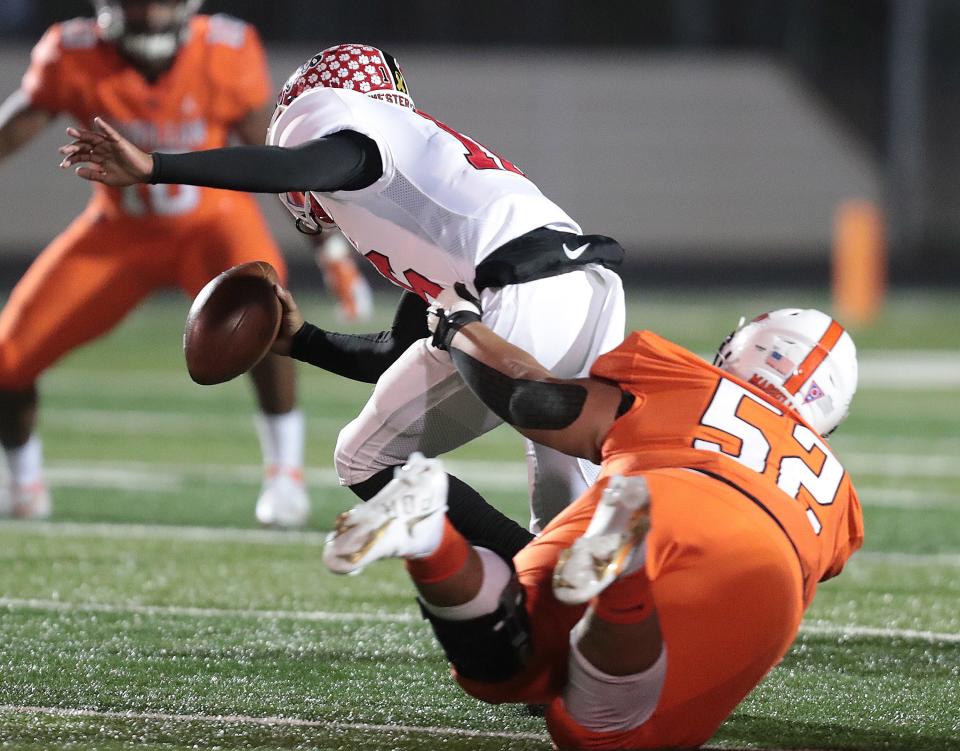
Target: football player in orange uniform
{"x":650,"y":607}
{"x":168,"y":77}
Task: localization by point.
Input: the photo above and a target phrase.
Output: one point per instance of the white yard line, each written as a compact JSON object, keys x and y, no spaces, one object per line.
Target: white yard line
{"x":317,"y":616}
{"x":909,"y":369}
{"x":11,"y":603}
{"x":141,"y":422}
{"x":275,"y":721}
{"x":893,"y":369}
{"x":163,"y":532}
{"x":163,"y":477}
{"x":905,"y":498}
{"x":202,"y":535}
{"x":832,"y":629}
{"x":299,"y":723}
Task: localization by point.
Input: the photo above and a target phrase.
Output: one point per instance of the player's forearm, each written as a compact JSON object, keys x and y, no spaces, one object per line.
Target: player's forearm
{"x":572,"y":416}
{"x":362,"y":357}
{"x":512,"y":383}
{"x":342,"y":161}
{"x":19,"y":122}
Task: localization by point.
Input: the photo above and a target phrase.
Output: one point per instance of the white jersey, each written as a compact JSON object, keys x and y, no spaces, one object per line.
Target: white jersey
{"x":443,"y":203}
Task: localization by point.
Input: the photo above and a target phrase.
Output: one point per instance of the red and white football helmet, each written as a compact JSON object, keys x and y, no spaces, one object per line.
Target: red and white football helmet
{"x":354,"y":67}
{"x":145,"y":41}
{"x":802,"y":358}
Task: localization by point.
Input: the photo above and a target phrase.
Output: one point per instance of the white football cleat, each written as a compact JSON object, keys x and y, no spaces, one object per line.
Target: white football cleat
{"x":283,"y":500}
{"x":616,"y":531}
{"x":404,"y":520}
{"x":27,"y":501}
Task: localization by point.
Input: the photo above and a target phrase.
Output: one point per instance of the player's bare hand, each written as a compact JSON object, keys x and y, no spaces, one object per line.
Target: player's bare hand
{"x":291,"y":322}
{"x":111,"y":158}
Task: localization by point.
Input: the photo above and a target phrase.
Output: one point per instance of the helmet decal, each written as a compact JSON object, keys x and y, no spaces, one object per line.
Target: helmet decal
{"x":817,"y":355}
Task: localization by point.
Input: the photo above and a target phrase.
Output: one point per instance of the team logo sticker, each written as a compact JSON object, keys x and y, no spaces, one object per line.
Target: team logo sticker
{"x":814,"y":393}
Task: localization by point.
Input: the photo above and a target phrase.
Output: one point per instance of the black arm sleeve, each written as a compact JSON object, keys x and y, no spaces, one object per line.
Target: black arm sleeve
{"x":363,"y":357}
{"x":534,"y":405}
{"x":342,"y":161}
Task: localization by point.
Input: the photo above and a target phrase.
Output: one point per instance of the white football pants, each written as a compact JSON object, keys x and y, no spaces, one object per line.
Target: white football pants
{"x":421,"y":404}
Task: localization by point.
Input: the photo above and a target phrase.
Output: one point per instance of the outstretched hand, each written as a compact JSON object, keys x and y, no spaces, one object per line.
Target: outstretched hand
{"x":291,"y":322}
{"x":113,"y":159}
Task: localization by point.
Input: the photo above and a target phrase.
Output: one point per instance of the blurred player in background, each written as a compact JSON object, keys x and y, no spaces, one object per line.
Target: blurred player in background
{"x":170,"y":79}
{"x":651,"y":606}
{"x":429,"y":207}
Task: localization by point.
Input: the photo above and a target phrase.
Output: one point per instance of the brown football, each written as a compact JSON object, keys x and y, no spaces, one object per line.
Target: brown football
{"x":232,"y":323}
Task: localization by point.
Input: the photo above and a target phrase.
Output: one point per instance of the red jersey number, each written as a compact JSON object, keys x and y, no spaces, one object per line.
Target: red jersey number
{"x":479,"y":156}
{"x":415,"y":281}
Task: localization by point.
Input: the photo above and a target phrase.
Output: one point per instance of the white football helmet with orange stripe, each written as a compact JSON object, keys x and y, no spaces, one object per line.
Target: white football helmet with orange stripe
{"x":802,"y":358}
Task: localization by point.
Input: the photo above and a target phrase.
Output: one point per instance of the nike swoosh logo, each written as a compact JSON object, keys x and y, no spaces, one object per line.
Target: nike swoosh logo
{"x":574,"y":254}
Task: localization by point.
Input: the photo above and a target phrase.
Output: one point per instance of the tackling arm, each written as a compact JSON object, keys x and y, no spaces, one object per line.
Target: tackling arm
{"x":19,"y":122}
{"x":572,"y":416}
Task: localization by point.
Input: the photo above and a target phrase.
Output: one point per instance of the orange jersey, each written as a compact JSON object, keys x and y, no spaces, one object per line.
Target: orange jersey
{"x":218,"y":76}
{"x":690,"y":414}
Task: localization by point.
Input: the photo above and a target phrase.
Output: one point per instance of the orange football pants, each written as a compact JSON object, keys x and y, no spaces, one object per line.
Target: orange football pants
{"x":729,"y":595}
{"x":95,"y":272}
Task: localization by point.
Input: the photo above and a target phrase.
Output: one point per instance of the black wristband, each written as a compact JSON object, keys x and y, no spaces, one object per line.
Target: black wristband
{"x":155,"y":170}
{"x":299,"y":340}
{"x":449,"y":325}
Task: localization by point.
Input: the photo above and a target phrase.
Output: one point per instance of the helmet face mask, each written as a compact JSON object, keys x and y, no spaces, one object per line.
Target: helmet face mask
{"x":149,"y":32}
{"x":308,"y":216}
{"x":800,"y":358}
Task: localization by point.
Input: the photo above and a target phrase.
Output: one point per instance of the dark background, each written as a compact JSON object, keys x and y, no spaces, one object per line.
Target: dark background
{"x":889,"y":69}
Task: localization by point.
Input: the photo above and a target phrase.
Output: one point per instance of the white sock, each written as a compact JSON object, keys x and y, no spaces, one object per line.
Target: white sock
{"x":607,"y":703}
{"x":496,"y":576}
{"x":281,"y":439}
{"x":26,"y":461}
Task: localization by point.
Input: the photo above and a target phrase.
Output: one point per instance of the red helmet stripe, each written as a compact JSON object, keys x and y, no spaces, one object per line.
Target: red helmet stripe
{"x":817,"y":355}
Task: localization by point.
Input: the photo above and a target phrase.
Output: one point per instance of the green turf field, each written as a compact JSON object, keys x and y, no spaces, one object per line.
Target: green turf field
{"x":151,"y":613}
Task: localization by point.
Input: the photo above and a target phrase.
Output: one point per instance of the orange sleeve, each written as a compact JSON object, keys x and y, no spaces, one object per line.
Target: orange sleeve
{"x":43,"y":82}
{"x":849,"y":536}
{"x":240,"y":68}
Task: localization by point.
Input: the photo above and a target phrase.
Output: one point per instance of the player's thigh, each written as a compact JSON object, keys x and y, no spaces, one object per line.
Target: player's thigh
{"x":564,"y":321}
{"x":228,"y":239}
{"x":78,"y":288}
{"x":419,"y":404}
{"x":542,"y":680}
{"x":728,"y":592}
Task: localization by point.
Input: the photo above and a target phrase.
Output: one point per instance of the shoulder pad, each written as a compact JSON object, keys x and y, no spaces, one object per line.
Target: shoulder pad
{"x":226,"y":30}
{"x":78,"y":34}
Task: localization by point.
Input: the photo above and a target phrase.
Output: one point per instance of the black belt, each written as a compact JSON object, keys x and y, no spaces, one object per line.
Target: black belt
{"x":542,"y":253}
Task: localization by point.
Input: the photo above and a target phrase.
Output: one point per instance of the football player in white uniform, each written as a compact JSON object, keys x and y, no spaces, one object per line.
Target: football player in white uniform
{"x":429,"y":207}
